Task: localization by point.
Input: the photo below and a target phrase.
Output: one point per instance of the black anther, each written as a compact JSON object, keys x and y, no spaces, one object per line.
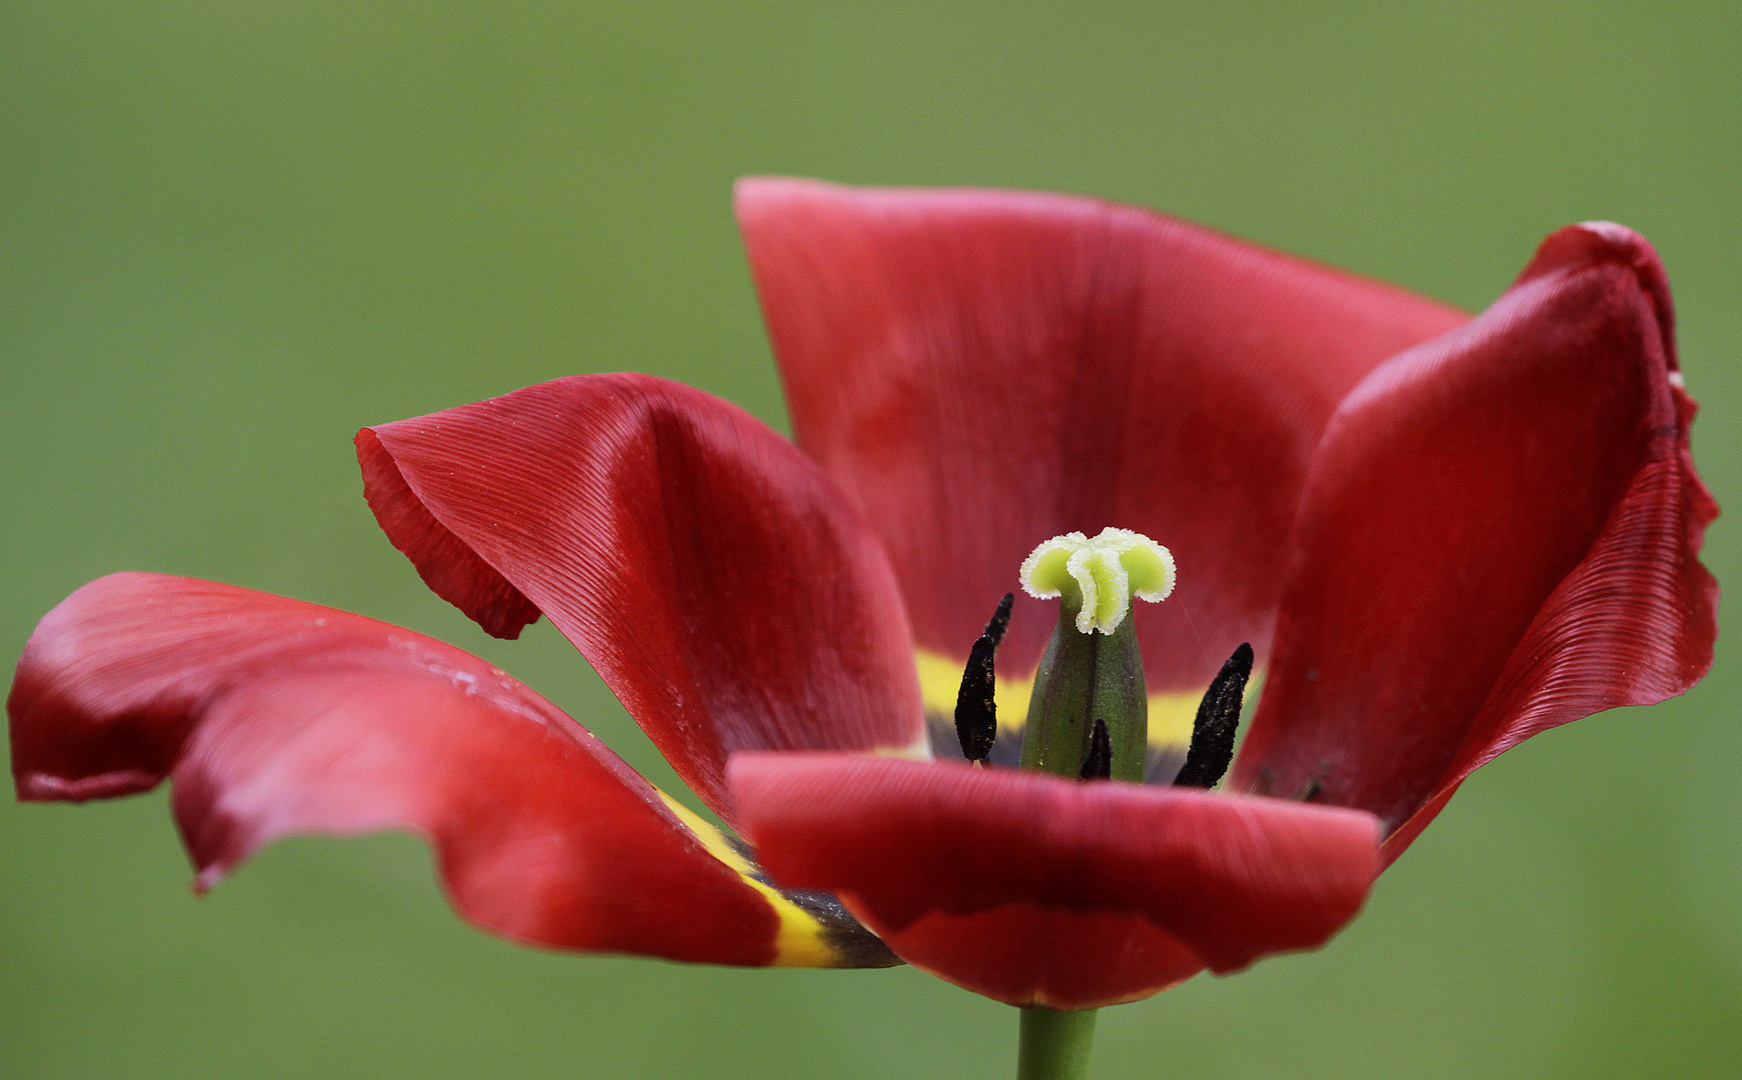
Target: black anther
{"x":976,"y":709}
{"x":1218,"y":717}
{"x":1098,"y":762}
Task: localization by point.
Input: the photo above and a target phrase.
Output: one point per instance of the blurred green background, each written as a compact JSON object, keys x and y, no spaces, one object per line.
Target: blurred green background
{"x":232,"y":233}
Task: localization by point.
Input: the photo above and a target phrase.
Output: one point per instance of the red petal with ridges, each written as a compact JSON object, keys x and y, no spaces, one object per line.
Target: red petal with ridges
{"x":982,"y":370}
{"x":710,"y":573}
{"x":1500,"y":534}
{"x":1032,"y":889}
{"x":275,"y":716}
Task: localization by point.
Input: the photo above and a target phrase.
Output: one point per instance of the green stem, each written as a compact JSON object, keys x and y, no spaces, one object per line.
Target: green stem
{"x":1055,"y":1045}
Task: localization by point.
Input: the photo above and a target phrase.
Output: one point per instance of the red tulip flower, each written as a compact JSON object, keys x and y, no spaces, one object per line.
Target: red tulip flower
{"x":1439,"y":534}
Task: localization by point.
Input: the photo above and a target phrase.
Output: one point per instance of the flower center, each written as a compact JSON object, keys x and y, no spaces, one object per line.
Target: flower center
{"x":1088,"y":711}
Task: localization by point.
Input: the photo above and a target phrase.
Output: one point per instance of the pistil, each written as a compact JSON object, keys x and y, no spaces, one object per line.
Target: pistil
{"x":1092,"y":670}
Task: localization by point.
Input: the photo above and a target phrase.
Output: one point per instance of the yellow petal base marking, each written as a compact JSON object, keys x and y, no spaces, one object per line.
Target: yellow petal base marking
{"x":1170,"y":713}
{"x":800,"y":941}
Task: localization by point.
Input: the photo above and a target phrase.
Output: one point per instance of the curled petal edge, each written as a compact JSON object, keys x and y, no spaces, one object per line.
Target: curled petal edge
{"x":275,"y":717}
{"x":1623,"y":614}
{"x":708,"y":571}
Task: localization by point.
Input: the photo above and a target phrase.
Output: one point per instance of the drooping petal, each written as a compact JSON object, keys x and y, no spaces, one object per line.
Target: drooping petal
{"x":983,"y":370}
{"x":1033,"y":889}
{"x":275,"y":717}
{"x":1500,"y":534}
{"x":708,"y":571}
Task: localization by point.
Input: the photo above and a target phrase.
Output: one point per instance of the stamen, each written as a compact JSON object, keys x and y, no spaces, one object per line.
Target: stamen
{"x":1218,"y":718}
{"x":976,"y":706}
{"x":1098,"y":762}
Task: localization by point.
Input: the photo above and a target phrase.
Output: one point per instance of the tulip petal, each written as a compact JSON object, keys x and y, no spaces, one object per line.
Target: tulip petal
{"x":1499,"y":535}
{"x":1037,"y":890}
{"x":275,"y":717}
{"x":983,"y":370}
{"x":706,"y":569}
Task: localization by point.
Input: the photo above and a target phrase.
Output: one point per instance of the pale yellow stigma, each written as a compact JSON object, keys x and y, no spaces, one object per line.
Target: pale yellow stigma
{"x":1107,"y":571}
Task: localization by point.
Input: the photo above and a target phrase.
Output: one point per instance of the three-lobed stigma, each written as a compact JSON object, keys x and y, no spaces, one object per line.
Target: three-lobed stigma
{"x":1099,"y":576}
